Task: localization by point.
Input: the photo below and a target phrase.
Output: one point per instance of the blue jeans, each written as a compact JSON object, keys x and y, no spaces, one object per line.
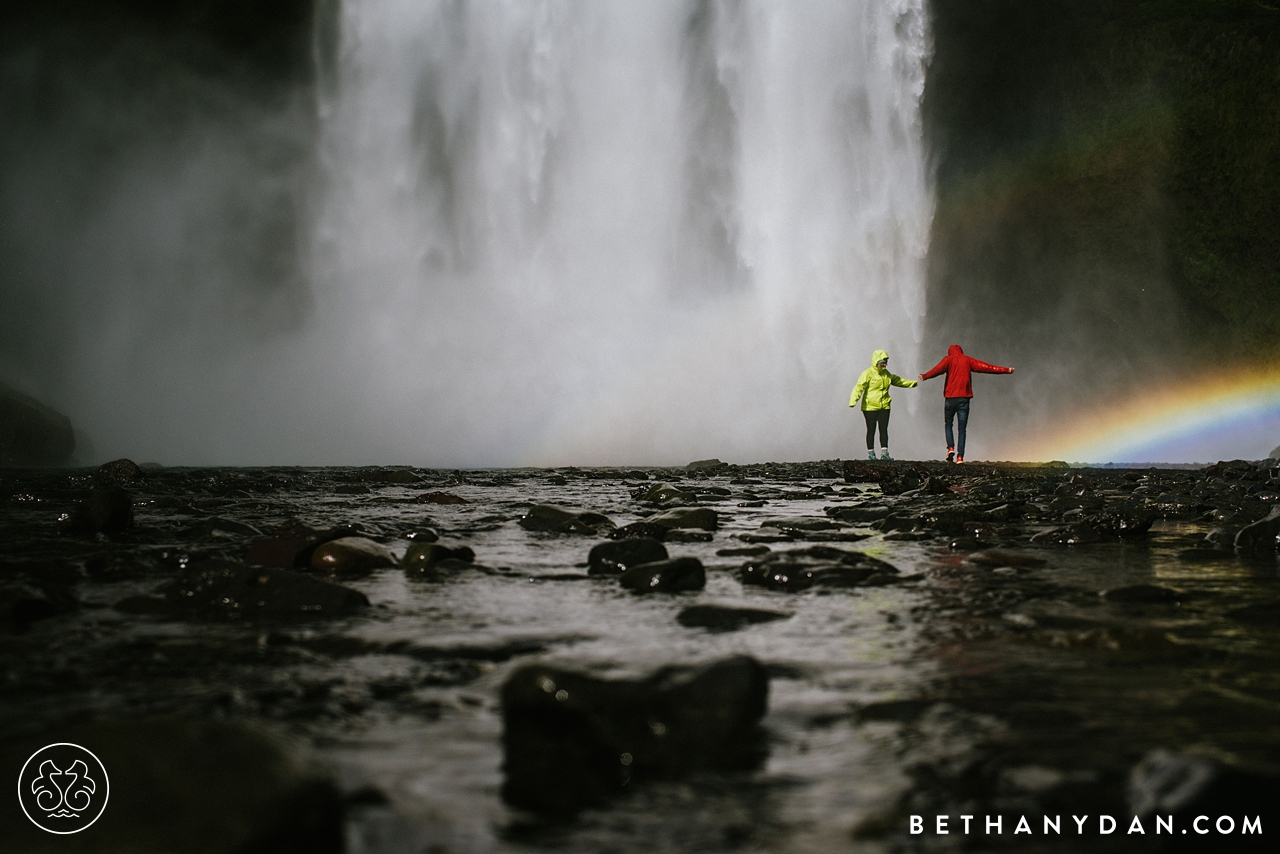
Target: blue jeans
{"x":956,"y":408}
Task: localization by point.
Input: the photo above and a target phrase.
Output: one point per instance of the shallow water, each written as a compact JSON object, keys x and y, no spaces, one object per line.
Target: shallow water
{"x":961,"y":689}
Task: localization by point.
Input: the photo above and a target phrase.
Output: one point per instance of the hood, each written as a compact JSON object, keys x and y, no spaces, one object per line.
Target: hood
{"x":955,"y":350}
{"x":877,"y":356}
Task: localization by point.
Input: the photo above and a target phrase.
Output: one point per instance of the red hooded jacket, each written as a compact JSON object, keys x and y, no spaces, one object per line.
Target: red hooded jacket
{"x":957,"y":367}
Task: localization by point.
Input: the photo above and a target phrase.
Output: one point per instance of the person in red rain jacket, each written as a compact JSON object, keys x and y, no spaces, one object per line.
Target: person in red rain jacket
{"x":959,"y":391}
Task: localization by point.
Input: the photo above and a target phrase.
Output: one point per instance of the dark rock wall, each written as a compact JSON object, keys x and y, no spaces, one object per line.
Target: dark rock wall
{"x":1107,"y":191}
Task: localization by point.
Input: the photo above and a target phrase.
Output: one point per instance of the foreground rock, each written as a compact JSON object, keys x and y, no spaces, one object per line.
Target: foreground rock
{"x":816,"y":566}
{"x":350,"y":557}
{"x":723,"y":618}
{"x":32,"y":434}
{"x":435,"y":562}
{"x":222,"y":590}
{"x":294,"y":543}
{"x":193,"y":786}
{"x":665,"y":576}
{"x":616,"y":556}
{"x":549,"y":518}
{"x":571,"y":740}
{"x":107,"y":510}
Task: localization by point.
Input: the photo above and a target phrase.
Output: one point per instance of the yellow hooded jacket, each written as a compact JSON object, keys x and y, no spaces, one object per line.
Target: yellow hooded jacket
{"x":873,"y":385}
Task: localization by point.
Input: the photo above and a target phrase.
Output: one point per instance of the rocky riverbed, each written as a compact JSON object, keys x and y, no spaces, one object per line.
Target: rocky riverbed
{"x":780,"y":657}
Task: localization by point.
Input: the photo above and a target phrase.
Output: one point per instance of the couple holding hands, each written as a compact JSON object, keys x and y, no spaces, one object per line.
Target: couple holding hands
{"x":873,"y":389}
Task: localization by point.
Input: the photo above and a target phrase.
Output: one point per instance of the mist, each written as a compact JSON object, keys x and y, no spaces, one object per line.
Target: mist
{"x":479,"y":234}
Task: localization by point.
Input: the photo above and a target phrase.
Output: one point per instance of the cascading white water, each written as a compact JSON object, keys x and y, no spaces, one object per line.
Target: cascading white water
{"x":613,"y":232}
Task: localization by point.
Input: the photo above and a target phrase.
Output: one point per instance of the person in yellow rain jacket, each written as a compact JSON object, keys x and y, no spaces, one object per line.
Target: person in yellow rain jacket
{"x":873,"y":388}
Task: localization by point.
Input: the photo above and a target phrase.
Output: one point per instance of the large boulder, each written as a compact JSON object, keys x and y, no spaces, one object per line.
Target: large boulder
{"x":548,"y":518}
{"x":571,"y":740}
{"x":32,"y":434}
{"x":350,"y":557}
{"x":817,"y":566}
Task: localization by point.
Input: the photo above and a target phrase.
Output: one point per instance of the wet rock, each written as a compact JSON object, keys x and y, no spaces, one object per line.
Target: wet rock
{"x":440,"y":498}
{"x":857,"y":471}
{"x":570,"y":740}
{"x":350,"y":557}
{"x":557,"y":480}
{"x":722,"y":618}
{"x":1001,"y":557}
{"x":616,"y":556}
{"x":352,"y":489}
{"x":1262,"y":536}
{"x":389,"y":476}
{"x":1078,"y":534}
{"x":190,"y":785}
{"x":858,"y":514}
{"x":1141,"y":594}
{"x":804,"y":523}
{"x":32,"y":434}
{"x":293,"y":544}
{"x":118,"y":472}
{"x":421,"y":535}
{"x":705,"y":466}
{"x":107,"y":510}
{"x":665,"y":576}
{"x":549,"y":518}
{"x":636,"y":474}
{"x":433,"y":561}
{"x":1185,"y":786}
{"x":664,"y":493}
{"x":687,"y":517}
{"x":743,"y":551}
{"x":688,"y":535}
{"x":222,"y":590}
{"x":816,"y":566}
{"x":647,"y":530}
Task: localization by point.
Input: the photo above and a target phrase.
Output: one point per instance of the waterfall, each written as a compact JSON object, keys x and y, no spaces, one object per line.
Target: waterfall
{"x":608,"y":232}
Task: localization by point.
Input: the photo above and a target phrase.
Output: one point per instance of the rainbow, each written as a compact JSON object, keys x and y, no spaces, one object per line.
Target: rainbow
{"x":1212,"y":416}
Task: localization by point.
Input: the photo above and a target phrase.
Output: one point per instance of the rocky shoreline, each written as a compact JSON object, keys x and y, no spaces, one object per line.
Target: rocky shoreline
{"x":980,"y":637}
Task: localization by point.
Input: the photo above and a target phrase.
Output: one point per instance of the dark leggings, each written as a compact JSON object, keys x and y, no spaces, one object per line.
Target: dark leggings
{"x":874,"y":417}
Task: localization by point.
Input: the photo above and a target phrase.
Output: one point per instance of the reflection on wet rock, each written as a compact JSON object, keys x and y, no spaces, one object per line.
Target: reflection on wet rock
{"x":687,"y":517}
{"x":724,"y":618}
{"x":293,"y":544}
{"x":350,"y":557}
{"x":571,"y":740}
{"x":816,"y":566}
{"x":222,"y":590}
{"x":665,"y":576}
{"x":615,"y":556}
{"x":433,"y":561}
{"x":549,"y":518}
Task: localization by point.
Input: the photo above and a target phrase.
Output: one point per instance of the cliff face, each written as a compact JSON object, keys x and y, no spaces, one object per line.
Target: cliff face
{"x":1108,"y":189}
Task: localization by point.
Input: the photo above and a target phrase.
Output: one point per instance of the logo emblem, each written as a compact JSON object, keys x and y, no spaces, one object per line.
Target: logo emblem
{"x":63,"y":788}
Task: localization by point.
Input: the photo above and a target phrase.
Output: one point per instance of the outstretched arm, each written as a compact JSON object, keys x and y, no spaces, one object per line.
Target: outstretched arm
{"x":894,"y":379}
{"x":984,"y":368}
{"x":936,"y":369}
{"x":863,"y":382}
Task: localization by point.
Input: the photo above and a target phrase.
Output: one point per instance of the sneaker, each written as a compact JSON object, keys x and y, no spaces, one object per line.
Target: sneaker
{"x":871,"y":455}
{"x":951,"y":455}
{"x":885,"y":456}
{"x":959,"y":459}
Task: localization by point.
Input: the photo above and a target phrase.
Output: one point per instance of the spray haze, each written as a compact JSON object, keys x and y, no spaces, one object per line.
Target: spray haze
{"x":496,"y":234}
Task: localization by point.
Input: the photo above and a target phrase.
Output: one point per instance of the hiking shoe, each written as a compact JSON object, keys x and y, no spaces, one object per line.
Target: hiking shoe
{"x":885,"y":456}
{"x":951,"y":455}
{"x":959,"y":459}
{"x":871,"y":455}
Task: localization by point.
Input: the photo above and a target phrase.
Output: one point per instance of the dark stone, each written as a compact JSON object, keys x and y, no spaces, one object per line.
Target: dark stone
{"x":743,"y":551}
{"x":856,"y":471}
{"x":640,"y":529}
{"x":440,"y":498}
{"x":1262,"y":536}
{"x":549,"y":518}
{"x":615,"y":556}
{"x":705,"y":466}
{"x":118,"y":472}
{"x":222,"y":590}
{"x":816,"y":566}
{"x":665,"y":576}
{"x":389,"y":476}
{"x":350,"y":557}
{"x":722,"y":618}
{"x":687,"y":517}
{"x":23,"y":602}
{"x":32,"y":434}
{"x":190,"y":785}
{"x":432,"y":561}
{"x":858,"y":514}
{"x":294,"y":543}
{"x":664,"y":493}
{"x":1141,"y":594}
{"x":107,"y":510}
{"x":570,"y":741}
